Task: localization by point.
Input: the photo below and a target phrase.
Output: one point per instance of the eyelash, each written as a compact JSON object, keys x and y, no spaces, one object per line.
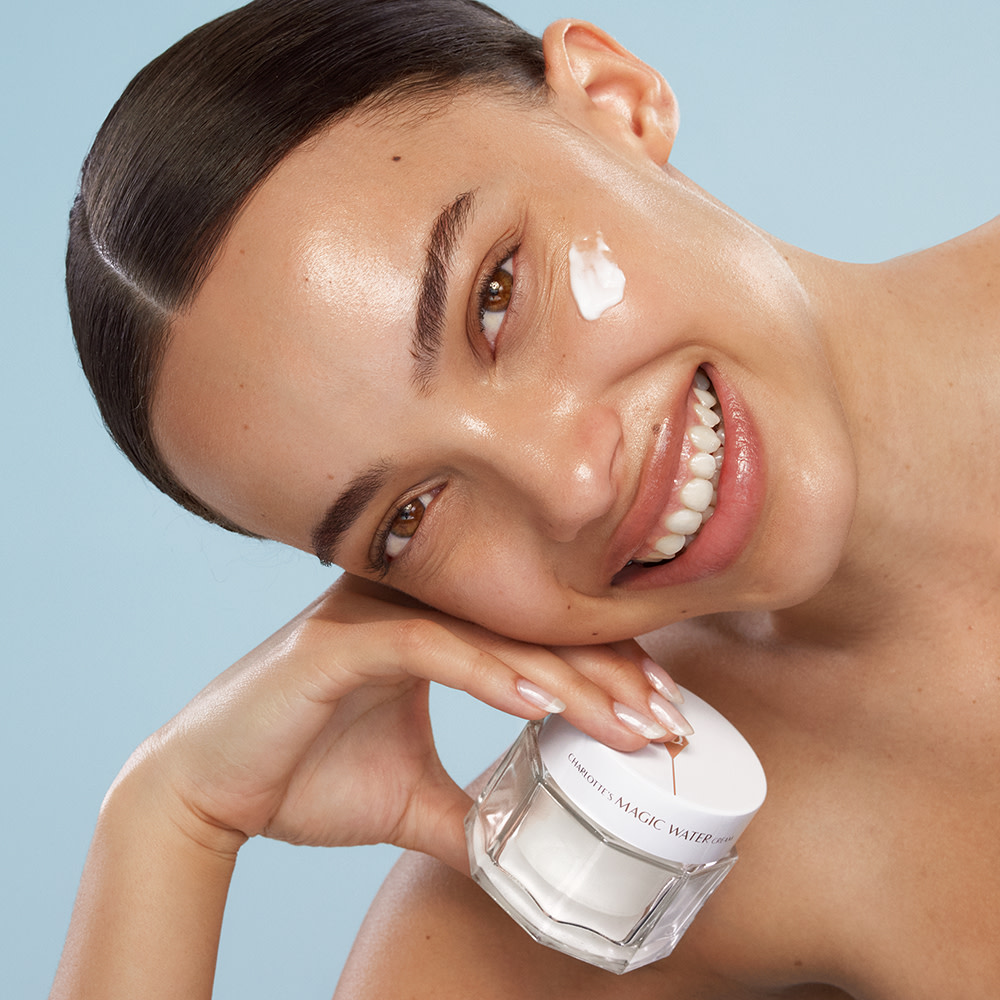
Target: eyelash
{"x":504,"y":256}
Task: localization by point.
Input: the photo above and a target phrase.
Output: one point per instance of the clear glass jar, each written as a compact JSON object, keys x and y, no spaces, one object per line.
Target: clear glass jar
{"x":588,"y":858}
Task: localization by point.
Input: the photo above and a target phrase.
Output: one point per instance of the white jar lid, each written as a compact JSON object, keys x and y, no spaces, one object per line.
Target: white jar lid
{"x":687,"y":803}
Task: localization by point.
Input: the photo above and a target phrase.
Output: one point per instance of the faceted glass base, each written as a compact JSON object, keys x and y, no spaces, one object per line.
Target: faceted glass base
{"x":568,"y":883}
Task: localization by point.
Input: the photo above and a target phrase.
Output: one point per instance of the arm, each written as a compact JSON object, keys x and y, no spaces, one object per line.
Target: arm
{"x":149,"y":909}
{"x":288,"y":743}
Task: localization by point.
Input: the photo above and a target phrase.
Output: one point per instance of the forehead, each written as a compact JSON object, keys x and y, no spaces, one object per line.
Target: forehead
{"x":310,"y":303}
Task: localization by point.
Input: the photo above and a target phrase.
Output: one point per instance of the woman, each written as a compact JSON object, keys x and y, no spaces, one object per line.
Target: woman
{"x":407,"y":381}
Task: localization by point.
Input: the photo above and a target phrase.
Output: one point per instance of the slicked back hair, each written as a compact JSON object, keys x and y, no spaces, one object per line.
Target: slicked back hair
{"x":202,"y":126}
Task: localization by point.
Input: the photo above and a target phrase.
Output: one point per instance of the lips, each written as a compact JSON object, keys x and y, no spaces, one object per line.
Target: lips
{"x":658,"y":542}
{"x":699,"y":472}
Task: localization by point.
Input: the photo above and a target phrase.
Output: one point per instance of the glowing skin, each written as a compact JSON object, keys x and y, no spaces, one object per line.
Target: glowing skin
{"x":596,"y":281}
{"x":547,"y":449}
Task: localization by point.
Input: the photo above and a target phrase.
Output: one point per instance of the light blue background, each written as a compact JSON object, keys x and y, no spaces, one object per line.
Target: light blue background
{"x":858,"y":129}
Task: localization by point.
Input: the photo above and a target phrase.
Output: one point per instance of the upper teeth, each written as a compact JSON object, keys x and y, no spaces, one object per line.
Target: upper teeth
{"x":697,"y":495}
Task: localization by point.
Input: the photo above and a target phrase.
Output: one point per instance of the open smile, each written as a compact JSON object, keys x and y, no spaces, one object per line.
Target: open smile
{"x":665,"y":538}
{"x":701,"y":461}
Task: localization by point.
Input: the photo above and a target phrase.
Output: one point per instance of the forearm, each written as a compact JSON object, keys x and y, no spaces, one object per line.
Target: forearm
{"x":149,"y":910}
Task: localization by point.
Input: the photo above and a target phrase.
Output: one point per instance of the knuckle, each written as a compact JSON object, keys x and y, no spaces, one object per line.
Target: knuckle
{"x":604,"y":663}
{"x":415,"y":636}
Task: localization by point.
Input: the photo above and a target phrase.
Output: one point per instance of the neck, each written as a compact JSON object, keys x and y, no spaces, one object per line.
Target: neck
{"x":912,"y":347}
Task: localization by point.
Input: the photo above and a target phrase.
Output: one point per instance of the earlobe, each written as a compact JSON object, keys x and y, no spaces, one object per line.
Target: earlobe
{"x":615,"y":90}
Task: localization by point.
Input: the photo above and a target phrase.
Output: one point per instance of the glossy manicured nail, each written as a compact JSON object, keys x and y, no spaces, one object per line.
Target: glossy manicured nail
{"x":540,"y":698}
{"x":661,"y":681}
{"x":638,"y":722}
{"x":667,"y":713}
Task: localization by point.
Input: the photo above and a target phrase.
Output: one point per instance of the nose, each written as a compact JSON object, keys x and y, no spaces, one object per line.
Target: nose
{"x":560,"y":462}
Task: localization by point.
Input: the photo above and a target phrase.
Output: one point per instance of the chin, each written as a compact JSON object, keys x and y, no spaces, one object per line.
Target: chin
{"x":799,"y":552}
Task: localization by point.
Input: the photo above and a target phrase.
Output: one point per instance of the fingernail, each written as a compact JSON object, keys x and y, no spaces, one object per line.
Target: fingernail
{"x":638,"y":722}
{"x":534,"y":695}
{"x":669,"y":716}
{"x":662,"y":681}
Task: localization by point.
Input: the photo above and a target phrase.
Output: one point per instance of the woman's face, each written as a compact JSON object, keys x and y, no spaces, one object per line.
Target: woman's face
{"x":356,"y":369}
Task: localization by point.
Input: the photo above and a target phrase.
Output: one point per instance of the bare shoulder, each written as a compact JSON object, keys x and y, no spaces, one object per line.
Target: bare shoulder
{"x":972,"y":259}
{"x":433,"y":933}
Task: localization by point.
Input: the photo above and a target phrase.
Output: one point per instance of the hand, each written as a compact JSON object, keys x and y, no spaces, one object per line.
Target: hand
{"x":321,"y":735}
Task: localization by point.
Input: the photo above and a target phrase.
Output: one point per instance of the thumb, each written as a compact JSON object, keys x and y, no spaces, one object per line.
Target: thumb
{"x":435,"y":821}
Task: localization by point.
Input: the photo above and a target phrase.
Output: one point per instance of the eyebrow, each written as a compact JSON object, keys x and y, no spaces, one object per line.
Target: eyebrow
{"x":346,"y":509}
{"x":425,"y":346}
{"x":433,"y":298}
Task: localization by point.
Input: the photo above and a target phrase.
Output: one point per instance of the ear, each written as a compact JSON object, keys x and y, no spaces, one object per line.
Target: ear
{"x":617,"y":93}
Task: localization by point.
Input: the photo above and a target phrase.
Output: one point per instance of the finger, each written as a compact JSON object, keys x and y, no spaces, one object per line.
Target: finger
{"x":345,"y":657}
{"x":624,"y":676}
{"x":611,"y":707}
{"x":658,"y":678}
{"x":518,"y":678}
{"x":603,"y":692}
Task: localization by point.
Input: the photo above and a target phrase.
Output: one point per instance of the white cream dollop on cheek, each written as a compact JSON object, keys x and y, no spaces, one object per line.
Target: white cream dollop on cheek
{"x":596,"y":281}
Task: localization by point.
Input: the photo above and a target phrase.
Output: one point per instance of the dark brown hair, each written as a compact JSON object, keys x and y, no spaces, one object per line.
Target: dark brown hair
{"x":202,"y":125}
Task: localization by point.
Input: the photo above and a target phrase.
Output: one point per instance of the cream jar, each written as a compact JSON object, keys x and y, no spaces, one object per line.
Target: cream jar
{"x":608,"y":856}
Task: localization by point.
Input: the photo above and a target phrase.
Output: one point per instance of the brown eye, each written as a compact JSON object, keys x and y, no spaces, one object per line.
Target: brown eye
{"x":404,"y":525}
{"x":406,"y":521}
{"x":498,"y":290}
{"x":494,"y":300}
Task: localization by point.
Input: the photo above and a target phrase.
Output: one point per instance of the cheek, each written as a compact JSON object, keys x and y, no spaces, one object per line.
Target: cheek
{"x":595,"y":279}
{"x":505,"y":586}
{"x":499,"y":582}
